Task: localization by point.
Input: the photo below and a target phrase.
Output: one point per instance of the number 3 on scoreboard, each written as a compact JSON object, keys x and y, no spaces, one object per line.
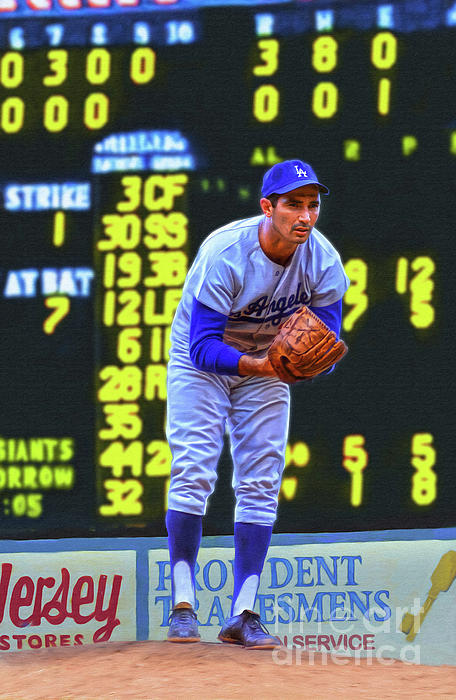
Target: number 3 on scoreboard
{"x":58,"y":64}
{"x":269,"y":54}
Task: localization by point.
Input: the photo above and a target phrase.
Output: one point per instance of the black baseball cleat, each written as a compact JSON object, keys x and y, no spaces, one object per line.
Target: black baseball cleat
{"x":183,"y":626}
{"x":246,"y":629}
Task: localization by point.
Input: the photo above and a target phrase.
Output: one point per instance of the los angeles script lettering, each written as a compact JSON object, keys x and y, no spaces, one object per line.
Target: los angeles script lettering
{"x":62,"y":605}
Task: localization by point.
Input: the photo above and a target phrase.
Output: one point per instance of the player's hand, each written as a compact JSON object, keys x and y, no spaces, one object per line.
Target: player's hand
{"x":255,"y":367}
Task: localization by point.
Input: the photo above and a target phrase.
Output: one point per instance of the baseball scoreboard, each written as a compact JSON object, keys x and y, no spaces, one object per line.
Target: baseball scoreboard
{"x":129,"y":129}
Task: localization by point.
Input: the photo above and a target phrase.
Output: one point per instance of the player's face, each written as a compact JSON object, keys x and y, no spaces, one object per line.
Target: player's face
{"x":295,"y":214}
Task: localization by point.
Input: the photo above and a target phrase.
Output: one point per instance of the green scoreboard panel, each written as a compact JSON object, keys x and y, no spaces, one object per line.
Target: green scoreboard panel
{"x":128,"y":132}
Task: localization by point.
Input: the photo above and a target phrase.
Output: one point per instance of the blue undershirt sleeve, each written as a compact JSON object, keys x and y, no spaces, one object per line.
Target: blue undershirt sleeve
{"x":208,"y":352}
{"x":332,"y":316}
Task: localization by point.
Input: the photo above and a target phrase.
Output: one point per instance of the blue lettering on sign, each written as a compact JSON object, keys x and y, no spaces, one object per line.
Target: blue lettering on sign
{"x":222,"y":574}
{"x":286,"y":607}
{"x":318,"y":573}
{"x":385,"y":16}
{"x":109,"y":164}
{"x":182,"y":32}
{"x":198,"y":586}
{"x":215,"y":611}
{"x":336,"y":603}
{"x":172,"y":163}
{"x":317,"y":607}
{"x":166,"y":602}
{"x":164,"y":575}
{"x":286,"y":576}
{"x":264,"y":24}
{"x":351,"y":568}
{"x":324,"y":20}
{"x":68,"y":281}
{"x":55,"y":33}
{"x":356,"y":602}
{"x":304,"y":572}
{"x":332,"y":575}
{"x":16,"y":38}
{"x":141,"y":142}
{"x":157,"y":149}
{"x":384,"y":606}
{"x":266,"y":604}
{"x":40,"y":196}
{"x":451,"y":16}
{"x":289,"y":606}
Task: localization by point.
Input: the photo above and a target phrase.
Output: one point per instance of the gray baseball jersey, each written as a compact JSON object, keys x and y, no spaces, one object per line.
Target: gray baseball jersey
{"x":232,"y":275}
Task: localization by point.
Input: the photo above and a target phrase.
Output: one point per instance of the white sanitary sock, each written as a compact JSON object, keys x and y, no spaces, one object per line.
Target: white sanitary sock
{"x":183,"y":584}
{"x":247,"y":594}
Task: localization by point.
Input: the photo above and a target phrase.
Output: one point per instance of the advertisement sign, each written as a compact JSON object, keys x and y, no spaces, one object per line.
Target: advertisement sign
{"x":358,"y":597}
{"x":380,"y":600}
{"x":61,"y":599}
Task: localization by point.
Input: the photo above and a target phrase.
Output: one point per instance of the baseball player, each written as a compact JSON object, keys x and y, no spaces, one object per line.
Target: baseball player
{"x":246,"y":280}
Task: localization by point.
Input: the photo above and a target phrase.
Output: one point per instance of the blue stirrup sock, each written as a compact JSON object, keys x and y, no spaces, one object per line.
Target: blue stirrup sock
{"x":251,"y":544}
{"x":184,"y":538}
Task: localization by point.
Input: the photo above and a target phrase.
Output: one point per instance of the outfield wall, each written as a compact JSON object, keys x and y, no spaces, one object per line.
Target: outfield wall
{"x":347,"y":594}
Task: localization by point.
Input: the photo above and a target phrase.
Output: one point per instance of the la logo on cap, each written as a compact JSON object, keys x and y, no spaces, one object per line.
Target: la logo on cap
{"x":300,"y":171}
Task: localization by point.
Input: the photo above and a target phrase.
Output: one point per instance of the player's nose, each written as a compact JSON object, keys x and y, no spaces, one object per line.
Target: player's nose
{"x":304,"y":216}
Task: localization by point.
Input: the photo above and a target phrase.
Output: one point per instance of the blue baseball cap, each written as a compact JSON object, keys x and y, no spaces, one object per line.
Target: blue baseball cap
{"x":289,"y":175}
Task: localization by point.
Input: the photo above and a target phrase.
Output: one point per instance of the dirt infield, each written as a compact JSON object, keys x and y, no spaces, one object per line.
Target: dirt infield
{"x":156,"y":670}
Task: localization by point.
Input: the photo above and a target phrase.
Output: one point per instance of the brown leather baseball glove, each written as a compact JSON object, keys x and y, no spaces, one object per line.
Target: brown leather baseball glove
{"x":304,"y":347}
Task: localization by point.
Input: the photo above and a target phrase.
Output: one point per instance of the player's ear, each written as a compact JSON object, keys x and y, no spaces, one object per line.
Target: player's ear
{"x":266,"y":206}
